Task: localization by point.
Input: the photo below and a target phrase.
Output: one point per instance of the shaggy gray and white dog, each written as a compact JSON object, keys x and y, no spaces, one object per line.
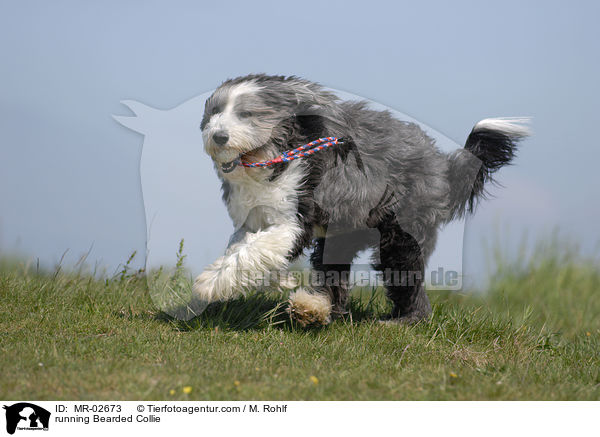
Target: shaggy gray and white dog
{"x":387,"y":176}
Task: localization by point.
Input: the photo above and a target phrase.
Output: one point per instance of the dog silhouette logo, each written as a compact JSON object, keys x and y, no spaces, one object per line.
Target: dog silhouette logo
{"x":26,"y":416}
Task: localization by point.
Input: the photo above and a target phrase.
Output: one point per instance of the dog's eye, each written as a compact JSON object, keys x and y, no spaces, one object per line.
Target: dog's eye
{"x":245,"y":114}
{"x":215,"y":110}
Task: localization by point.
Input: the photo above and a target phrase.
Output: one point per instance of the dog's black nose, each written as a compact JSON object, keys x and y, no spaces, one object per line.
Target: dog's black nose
{"x":220,"y":137}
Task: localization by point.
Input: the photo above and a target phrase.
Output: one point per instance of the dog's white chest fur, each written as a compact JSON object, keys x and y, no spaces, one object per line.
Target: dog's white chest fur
{"x":257,"y":203}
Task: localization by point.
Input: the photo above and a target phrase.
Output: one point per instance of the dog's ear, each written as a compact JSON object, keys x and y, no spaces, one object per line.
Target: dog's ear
{"x":311,"y":125}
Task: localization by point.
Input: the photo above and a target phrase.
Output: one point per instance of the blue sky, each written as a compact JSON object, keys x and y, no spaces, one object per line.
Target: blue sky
{"x":69,"y":174}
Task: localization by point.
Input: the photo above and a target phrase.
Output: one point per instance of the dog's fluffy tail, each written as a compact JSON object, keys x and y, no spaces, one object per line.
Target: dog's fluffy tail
{"x":491,"y":144}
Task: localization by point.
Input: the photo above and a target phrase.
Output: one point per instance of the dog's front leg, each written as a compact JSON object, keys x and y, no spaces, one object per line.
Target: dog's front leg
{"x":246,"y":258}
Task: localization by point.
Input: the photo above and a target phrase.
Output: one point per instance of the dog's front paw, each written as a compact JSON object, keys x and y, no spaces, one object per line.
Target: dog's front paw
{"x":206,"y":287}
{"x":216,"y":283}
{"x":202,"y":289}
{"x":310,"y":309}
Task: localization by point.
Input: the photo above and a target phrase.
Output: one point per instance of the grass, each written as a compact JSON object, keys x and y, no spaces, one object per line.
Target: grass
{"x":535,"y":334}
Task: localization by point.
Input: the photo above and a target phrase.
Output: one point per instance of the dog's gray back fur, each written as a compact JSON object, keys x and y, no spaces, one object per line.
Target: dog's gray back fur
{"x":394,"y":155}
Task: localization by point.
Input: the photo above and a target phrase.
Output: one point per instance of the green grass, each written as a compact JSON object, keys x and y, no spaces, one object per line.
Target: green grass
{"x":535,"y":334}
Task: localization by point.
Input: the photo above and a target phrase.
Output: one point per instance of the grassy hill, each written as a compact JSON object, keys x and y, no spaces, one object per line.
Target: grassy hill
{"x":535,"y":334}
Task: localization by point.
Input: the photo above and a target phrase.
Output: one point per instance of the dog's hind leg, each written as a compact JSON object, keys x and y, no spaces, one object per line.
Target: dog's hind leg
{"x":334,"y":274}
{"x":402,"y":264}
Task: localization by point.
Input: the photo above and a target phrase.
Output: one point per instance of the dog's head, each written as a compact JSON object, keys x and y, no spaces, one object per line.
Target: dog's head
{"x":251,"y":117}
